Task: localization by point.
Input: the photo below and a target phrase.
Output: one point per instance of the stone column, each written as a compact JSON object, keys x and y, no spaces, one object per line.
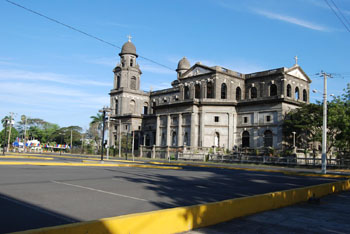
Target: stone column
{"x":229,"y":137}
{"x":282,"y":88}
{"x":201,"y":128}
{"x":193,"y":128}
{"x":234,"y":130}
{"x":158,"y":131}
{"x":168,"y":137}
{"x":179,"y":131}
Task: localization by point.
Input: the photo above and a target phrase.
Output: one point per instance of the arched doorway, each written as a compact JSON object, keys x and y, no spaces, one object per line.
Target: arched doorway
{"x":273,"y":90}
{"x":268,"y":138}
{"x":174,"y":139}
{"x":217,"y":139}
{"x":245,"y":139}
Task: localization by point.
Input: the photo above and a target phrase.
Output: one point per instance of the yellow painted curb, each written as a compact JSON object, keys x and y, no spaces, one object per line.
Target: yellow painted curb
{"x":88,"y":165}
{"x":186,"y":218}
{"x":83,"y":158}
{"x":24,"y":157}
{"x":254,"y":169}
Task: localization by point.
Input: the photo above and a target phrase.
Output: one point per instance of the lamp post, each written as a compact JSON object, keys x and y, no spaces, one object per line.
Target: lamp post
{"x":294,"y":148}
{"x":324,"y":127}
{"x":103,"y":111}
{"x":4,"y":144}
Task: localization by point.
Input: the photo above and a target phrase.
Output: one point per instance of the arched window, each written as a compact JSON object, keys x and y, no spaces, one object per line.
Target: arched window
{"x":174,"y":138}
{"x":163,"y":139}
{"x":116,"y":107}
{"x":131,"y":62}
{"x":304,"y":95}
{"x":223,"y":91}
{"x":296,"y":96}
{"x":118,"y":82}
{"x":133,"y":83}
{"x":197,"y":89}
{"x":187,"y":92}
{"x":132,"y":107}
{"x":245,"y":139}
{"x":253,"y":93}
{"x":238,"y":94}
{"x":289,"y":90}
{"x":186,"y":139}
{"x":268,"y":139}
{"x":148,"y":140}
{"x":217,"y":139}
{"x":145,"y":108}
{"x":273,"y":90}
{"x":210,"y":90}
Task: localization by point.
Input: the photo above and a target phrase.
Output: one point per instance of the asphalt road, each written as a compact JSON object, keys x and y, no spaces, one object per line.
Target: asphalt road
{"x":40,"y":196}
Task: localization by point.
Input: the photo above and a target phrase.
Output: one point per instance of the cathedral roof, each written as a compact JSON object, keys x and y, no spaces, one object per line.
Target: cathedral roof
{"x":128,"y":48}
{"x":183,"y":64}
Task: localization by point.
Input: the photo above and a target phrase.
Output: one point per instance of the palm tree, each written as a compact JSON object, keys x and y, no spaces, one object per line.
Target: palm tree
{"x":96,"y":128}
{"x":97,"y":120}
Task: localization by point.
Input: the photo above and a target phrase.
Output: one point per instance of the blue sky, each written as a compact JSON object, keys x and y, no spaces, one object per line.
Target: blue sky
{"x":48,"y":71}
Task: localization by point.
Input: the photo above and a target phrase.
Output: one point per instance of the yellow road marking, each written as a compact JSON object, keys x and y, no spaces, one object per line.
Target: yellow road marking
{"x":88,"y":165}
{"x":83,"y":158}
{"x":181,"y":219}
{"x":24,"y":157}
{"x":255,"y":169}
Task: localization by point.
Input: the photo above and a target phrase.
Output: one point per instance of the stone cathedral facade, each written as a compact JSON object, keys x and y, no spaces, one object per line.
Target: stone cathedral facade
{"x":206,"y":106}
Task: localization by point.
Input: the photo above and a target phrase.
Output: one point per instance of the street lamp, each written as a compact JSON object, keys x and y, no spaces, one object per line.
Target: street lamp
{"x":324,"y":128}
{"x":294,"y":148}
{"x":103,"y":111}
{"x":3,"y":147}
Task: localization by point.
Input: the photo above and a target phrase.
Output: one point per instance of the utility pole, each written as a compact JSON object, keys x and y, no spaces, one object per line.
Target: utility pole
{"x":8,"y":141}
{"x":104,"y":110}
{"x":132,"y":146}
{"x":25,"y":135}
{"x":5,"y":134}
{"x":324,"y":128}
{"x":109,"y":131}
{"x":71,"y":140}
{"x":120,"y":138}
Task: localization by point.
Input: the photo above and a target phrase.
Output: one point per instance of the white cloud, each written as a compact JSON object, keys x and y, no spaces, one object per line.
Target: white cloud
{"x":292,"y":20}
{"x":48,"y":77}
{"x":106,"y":61}
{"x":47,"y":96}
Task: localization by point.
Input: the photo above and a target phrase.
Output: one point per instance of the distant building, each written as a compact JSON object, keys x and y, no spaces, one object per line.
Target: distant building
{"x":206,"y":106}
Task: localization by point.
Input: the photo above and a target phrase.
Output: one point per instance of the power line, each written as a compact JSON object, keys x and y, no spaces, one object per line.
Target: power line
{"x":341,"y":13}
{"x":82,"y":32}
{"x":340,"y":19}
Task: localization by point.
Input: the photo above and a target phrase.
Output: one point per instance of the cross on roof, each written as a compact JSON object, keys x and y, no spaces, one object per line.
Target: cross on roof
{"x":296,"y":60}
{"x":129,"y":38}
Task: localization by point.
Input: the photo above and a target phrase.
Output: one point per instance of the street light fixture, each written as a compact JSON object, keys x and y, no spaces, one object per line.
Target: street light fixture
{"x":103,"y":111}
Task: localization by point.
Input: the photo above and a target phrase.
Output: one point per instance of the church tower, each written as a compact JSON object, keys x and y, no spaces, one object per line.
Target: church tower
{"x":127,"y":73}
{"x":128,"y":103}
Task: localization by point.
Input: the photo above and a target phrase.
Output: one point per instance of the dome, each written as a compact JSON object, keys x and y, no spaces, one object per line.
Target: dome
{"x":128,"y":48}
{"x":183,"y":64}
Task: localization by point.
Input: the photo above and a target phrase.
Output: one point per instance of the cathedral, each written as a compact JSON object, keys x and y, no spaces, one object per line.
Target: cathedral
{"x":207,"y":106}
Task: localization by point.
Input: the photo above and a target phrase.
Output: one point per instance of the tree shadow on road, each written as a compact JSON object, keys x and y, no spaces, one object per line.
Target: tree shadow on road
{"x":18,"y":215}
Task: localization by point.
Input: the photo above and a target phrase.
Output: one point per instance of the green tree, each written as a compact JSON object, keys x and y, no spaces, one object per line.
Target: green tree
{"x":95,"y":129}
{"x":306,"y":122}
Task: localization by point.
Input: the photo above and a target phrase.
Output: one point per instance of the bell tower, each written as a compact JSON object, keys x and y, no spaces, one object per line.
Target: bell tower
{"x":127,"y":73}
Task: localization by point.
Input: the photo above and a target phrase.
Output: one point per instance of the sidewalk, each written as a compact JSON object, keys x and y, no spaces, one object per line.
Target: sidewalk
{"x":330,"y":215}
